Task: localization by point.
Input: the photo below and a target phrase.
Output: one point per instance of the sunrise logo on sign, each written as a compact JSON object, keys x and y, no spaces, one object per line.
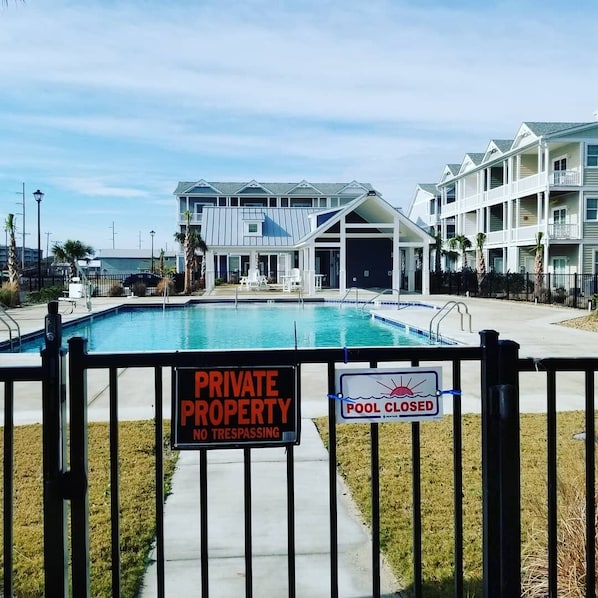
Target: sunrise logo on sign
{"x":384,"y":395}
{"x":234,"y":407}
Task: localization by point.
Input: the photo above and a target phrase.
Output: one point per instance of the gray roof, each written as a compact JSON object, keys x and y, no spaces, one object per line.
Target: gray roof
{"x":302,"y":188}
{"x":476,"y":158}
{"x":454,"y":168}
{"x":429,"y":187}
{"x":281,"y":227}
{"x":541,"y":129}
{"x":504,"y":145}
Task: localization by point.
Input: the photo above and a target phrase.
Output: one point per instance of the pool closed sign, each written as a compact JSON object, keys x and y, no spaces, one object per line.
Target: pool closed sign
{"x":234,"y":407}
{"x":386,"y":395}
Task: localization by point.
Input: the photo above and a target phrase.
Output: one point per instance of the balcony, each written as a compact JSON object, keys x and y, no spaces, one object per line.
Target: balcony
{"x":195,"y":218}
{"x":563,"y":231}
{"x":564,"y":178}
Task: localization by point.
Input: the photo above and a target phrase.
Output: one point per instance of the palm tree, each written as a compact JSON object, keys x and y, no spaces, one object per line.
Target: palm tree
{"x":539,"y":265}
{"x":191,"y":241}
{"x":463,"y":244}
{"x":13,"y":262}
{"x":71,"y":252}
{"x":481,"y":261}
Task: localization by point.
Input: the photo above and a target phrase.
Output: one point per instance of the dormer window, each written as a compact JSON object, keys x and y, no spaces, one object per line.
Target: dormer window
{"x":253,"y":229}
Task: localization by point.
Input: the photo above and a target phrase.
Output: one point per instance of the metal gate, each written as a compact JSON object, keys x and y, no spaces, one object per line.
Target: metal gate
{"x":66,"y":558}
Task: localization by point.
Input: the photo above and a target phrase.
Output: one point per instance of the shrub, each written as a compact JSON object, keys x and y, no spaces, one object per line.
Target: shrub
{"x":167,"y":283}
{"x":571,"y":544}
{"x":139,"y":289}
{"x":46,"y":294}
{"x":9,"y":296}
{"x":116,"y":291}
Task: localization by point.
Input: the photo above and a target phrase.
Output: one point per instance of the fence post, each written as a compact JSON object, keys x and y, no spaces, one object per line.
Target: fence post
{"x":501,"y":491}
{"x":79,"y":467}
{"x":54,"y":448}
{"x":490,"y":483}
{"x":507,"y":395}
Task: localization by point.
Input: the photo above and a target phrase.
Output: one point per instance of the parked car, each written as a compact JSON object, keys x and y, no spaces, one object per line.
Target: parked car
{"x":147,"y":278}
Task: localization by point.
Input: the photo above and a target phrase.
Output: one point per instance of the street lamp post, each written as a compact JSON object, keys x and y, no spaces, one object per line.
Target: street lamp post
{"x":38,"y":195}
{"x":152,"y":233}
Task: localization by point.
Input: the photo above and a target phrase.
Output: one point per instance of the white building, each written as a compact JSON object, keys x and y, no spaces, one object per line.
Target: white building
{"x":543,"y":180}
{"x":341,"y":234}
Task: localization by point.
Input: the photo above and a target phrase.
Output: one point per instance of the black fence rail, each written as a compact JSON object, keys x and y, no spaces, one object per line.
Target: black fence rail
{"x":65,"y":480}
{"x":102,"y":285}
{"x":570,"y":290}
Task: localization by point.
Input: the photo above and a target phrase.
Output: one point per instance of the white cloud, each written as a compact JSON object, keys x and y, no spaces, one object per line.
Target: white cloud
{"x":122,"y":100}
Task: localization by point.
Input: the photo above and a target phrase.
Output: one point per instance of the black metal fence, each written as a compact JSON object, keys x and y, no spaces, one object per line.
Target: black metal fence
{"x":103,"y":285}
{"x":500,"y":369}
{"x":571,"y":290}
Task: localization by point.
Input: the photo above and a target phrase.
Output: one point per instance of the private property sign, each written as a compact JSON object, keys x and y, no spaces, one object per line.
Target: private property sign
{"x":381,"y":395}
{"x":234,"y":407}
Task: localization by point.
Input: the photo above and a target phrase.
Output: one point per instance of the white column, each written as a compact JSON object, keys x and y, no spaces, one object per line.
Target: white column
{"x":426,"y":270}
{"x":342,"y":275}
{"x":210,"y":275}
{"x":410,"y":269}
{"x":396,"y":256}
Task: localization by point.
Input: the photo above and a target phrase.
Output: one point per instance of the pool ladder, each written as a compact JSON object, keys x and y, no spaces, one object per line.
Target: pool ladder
{"x":444,"y":311}
{"x":384,"y":292}
{"x":13,"y":328}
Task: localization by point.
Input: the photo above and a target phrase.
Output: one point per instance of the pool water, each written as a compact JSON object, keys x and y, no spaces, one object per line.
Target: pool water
{"x":224,"y":326}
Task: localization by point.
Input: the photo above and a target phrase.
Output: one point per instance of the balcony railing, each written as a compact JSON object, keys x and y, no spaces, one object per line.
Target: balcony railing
{"x":564,"y":178}
{"x":563,"y":231}
{"x":195,"y":218}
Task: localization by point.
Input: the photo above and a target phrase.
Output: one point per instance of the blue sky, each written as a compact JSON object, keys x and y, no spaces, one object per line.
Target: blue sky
{"x":106,"y":105}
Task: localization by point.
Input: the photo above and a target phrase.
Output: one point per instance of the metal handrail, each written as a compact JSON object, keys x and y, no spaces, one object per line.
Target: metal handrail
{"x":373,"y":299}
{"x":349,"y":290}
{"x":444,"y":311}
{"x":4,"y":314}
{"x":86,"y":286}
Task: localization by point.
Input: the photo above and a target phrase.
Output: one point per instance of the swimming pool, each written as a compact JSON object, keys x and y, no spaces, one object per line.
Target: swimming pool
{"x":226,"y":326}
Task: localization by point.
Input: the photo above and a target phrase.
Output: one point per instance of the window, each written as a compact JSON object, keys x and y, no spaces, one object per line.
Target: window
{"x":592,"y":159}
{"x":253,"y":228}
{"x":592,"y":208}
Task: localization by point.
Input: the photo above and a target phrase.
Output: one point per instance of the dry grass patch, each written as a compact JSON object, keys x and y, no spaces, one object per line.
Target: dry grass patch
{"x":437,"y":491}
{"x":137,"y":505}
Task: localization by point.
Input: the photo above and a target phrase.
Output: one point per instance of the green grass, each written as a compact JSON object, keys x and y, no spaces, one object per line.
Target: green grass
{"x":137,"y":506}
{"x":437,"y":491}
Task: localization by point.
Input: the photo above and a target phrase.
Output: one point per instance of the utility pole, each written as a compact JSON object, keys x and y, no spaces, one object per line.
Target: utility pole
{"x":22,"y":194}
{"x":113,"y":233}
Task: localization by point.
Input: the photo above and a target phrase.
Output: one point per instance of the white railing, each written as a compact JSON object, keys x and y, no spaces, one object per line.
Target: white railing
{"x":565,"y":178}
{"x":525,"y":233}
{"x":496,"y":237}
{"x":449,"y":209}
{"x":563,"y":231}
{"x":496,"y":193}
{"x":529,"y":182}
{"x":195,"y":218}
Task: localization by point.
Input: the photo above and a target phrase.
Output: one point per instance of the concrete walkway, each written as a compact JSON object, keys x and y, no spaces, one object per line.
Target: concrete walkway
{"x":534,"y":327}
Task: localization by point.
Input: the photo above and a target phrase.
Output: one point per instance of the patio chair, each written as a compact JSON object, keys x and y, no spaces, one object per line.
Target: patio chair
{"x":292,"y":282}
{"x":75,"y":292}
{"x":254,"y":280}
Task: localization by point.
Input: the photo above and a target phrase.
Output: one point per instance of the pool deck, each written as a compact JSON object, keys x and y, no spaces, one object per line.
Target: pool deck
{"x":534,"y":327}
